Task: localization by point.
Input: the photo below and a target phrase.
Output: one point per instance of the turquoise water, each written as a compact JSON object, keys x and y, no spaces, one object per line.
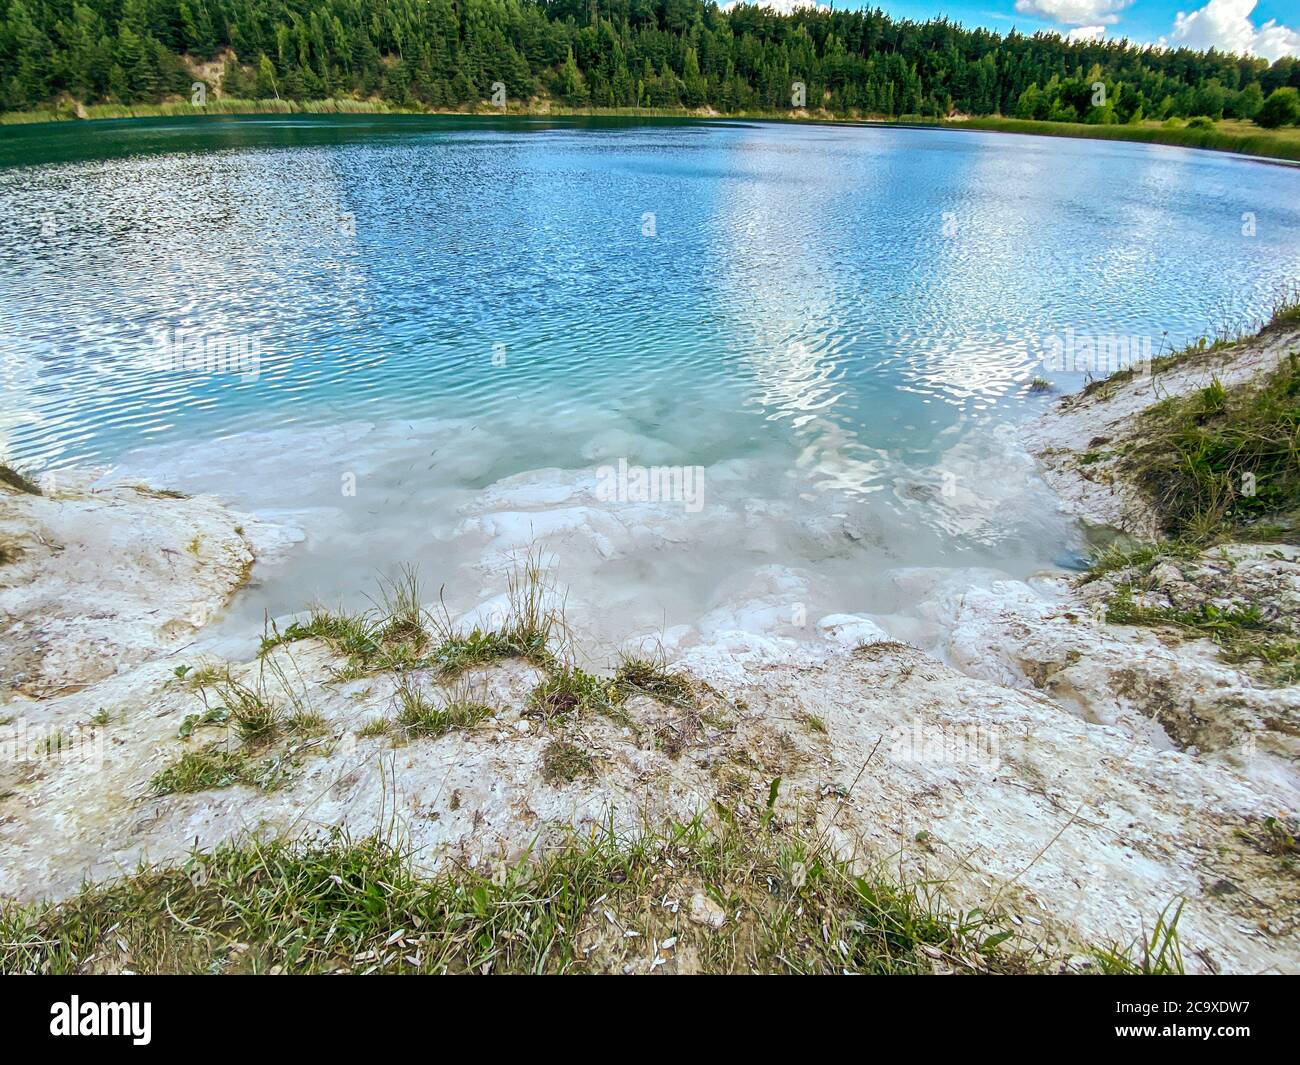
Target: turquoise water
{"x":827,"y":320}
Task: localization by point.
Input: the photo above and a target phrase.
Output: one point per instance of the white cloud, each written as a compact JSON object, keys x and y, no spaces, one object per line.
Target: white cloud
{"x":1086,"y":33}
{"x":1226,"y":25}
{"x":1089,"y":13}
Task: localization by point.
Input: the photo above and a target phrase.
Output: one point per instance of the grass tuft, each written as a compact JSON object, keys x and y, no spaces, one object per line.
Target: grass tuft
{"x":402,"y":612}
{"x":417,"y":715}
{"x":527,"y":631}
{"x":202,"y":770}
{"x":1219,"y":465}
{"x":349,"y":635}
{"x":253,"y":716}
{"x":1286,"y":306}
{"x":393,"y":637}
{"x":306,"y":723}
{"x":564,"y":762}
{"x":1274,"y":836}
{"x":379,"y":726}
{"x":206,"y":676}
{"x":572,"y":692}
{"x":1139,"y":557}
{"x":1240,"y":631}
{"x":456,"y":653}
{"x":215,"y":766}
{"x":17,"y":479}
{"x":650,"y":677}
{"x":1156,"y":954}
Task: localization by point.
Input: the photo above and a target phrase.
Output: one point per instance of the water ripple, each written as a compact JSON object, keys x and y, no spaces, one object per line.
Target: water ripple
{"x":844,"y":294}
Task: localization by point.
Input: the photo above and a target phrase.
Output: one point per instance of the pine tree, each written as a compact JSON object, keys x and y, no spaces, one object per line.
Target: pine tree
{"x":266,"y":86}
{"x":571,"y":85}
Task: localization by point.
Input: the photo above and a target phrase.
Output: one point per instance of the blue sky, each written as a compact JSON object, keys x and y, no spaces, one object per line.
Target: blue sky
{"x":1269,"y":28}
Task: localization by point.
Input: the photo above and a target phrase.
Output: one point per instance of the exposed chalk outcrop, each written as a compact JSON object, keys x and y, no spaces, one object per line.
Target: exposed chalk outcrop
{"x":104,"y":578}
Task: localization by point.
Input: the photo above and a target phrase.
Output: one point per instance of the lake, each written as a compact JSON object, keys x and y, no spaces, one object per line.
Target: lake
{"x":434,"y":341}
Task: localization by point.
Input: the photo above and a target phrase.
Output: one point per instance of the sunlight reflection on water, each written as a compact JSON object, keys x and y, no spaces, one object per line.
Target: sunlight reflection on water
{"x":842,"y":307}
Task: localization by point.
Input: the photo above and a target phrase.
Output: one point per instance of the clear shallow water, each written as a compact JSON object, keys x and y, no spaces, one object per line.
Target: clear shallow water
{"x":832,"y":322}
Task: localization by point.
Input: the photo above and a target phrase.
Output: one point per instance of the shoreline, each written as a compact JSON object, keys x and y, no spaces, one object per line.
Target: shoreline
{"x":1254,"y":142}
{"x":1172,"y":754}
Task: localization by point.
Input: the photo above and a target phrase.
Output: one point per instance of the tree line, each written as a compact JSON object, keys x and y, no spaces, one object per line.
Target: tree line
{"x":454,"y":54}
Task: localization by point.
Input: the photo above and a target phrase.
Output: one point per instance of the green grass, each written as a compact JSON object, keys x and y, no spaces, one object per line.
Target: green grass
{"x":392,"y":634}
{"x":1139,"y":557}
{"x":418,"y":715}
{"x":185,"y":109}
{"x":213,"y":715}
{"x":593,"y":904}
{"x":564,"y":762}
{"x":1158,"y":953}
{"x":646,"y":676}
{"x":1219,"y":465}
{"x":1229,"y":135}
{"x":306,"y":723}
{"x":1240,"y":631}
{"x":206,"y":677}
{"x":18,"y":479}
{"x":531,"y":625}
{"x":1224,"y":337}
{"x":350,"y":635}
{"x":1222,"y":458}
{"x":1275,"y":836}
{"x":461,"y":651}
{"x":253,"y":721}
{"x":812,"y":722}
{"x":402,"y":612}
{"x":1244,"y":138}
{"x":1284,"y":313}
{"x":568,"y":691}
{"x":399,"y":635}
{"x":216,"y":766}
{"x":255,"y":718}
{"x":201,"y":770}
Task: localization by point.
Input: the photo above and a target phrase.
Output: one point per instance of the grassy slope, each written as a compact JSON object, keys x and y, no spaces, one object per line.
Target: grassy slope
{"x":1218,"y":465}
{"x":182,"y":109}
{"x":1243,"y":138}
{"x":682,"y":897}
